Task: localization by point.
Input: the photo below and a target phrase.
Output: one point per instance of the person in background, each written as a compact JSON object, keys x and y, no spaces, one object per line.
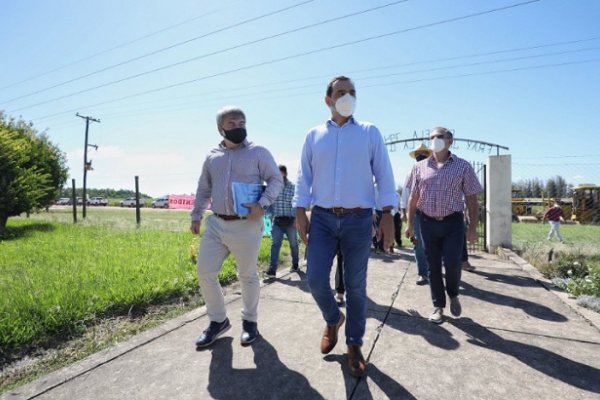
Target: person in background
{"x":419,"y":154}
{"x":339,"y":278}
{"x":341,"y":162}
{"x":397,"y":228}
{"x":554,"y":215}
{"x":235,"y":159}
{"x":465,"y":264}
{"x":284,"y":216}
{"x":440,"y":186}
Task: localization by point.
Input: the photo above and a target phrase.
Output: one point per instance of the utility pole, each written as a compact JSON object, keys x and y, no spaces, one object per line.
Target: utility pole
{"x":86,"y":166}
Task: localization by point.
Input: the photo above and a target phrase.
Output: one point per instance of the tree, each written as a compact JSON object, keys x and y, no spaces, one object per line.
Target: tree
{"x":562,"y":188}
{"x":32,"y":169}
{"x":551,"y":189}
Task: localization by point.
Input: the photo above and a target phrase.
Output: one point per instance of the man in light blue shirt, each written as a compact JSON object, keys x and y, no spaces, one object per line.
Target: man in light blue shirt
{"x":342,"y":161}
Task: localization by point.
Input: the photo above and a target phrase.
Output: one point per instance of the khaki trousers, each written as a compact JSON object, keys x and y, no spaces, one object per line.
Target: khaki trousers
{"x":242,"y":239}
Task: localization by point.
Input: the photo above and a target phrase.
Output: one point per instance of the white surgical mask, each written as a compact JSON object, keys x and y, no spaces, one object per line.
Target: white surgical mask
{"x":437,"y":145}
{"x":345,"y":105}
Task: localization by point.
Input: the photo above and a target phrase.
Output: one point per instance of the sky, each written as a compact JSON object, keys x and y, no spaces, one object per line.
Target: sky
{"x":517,"y":73}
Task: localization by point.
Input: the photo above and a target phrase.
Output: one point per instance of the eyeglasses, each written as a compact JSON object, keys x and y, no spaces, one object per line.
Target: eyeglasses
{"x":440,"y":136}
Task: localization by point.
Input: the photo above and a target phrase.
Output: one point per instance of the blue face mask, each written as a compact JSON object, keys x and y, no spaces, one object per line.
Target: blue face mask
{"x":421,"y":157}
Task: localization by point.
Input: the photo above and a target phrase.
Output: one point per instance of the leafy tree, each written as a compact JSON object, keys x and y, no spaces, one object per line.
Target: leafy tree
{"x":32,"y":169}
{"x":551,"y":188}
{"x":562,"y":188}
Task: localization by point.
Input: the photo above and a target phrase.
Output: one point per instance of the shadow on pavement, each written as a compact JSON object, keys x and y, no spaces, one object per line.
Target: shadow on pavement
{"x":521,"y":281}
{"x":413,"y":323}
{"x":301,"y":284}
{"x":270,"y":379}
{"x":386,"y":384}
{"x":558,"y":367}
{"x":534,"y":309}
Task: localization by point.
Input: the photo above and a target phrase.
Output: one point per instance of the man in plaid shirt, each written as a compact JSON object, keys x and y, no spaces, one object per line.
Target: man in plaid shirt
{"x":439,"y":186}
{"x":283,"y":222}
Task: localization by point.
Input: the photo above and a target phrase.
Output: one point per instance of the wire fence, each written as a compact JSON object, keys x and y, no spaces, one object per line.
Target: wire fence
{"x":572,"y":181}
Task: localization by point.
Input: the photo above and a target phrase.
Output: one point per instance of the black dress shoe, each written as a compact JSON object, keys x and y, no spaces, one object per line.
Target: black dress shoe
{"x":212,"y":333}
{"x":422,"y":280}
{"x":249,"y":332}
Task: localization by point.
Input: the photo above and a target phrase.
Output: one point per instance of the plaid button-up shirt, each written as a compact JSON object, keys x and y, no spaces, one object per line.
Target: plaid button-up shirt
{"x":282,"y":207}
{"x":442,"y":190}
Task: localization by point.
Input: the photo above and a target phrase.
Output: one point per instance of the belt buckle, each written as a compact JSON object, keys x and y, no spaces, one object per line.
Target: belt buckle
{"x":337,"y":210}
{"x":439,"y":218}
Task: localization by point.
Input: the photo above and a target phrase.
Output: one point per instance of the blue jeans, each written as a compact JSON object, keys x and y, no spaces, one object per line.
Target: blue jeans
{"x":276,"y":240}
{"x":422,"y":267}
{"x":352,"y":232}
{"x":443,"y":240}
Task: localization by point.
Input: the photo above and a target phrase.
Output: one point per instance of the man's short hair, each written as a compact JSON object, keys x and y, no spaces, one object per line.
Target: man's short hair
{"x":282,"y":168}
{"x":333,"y":81}
{"x":229,"y":111}
{"x":442,"y":130}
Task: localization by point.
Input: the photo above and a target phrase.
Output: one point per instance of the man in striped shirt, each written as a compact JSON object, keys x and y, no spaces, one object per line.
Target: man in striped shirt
{"x":284,"y":216}
{"x":440,"y":185}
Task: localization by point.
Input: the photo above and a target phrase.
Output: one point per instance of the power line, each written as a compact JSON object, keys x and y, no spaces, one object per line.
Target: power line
{"x":108,"y":50}
{"x":194,"y":58}
{"x":436,"y":61}
{"x":287,"y":89}
{"x":490,"y":72}
{"x":554,"y":165}
{"x":576,"y":156}
{"x":297,"y":55}
{"x":237,"y":24}
{"x":176,"y":107}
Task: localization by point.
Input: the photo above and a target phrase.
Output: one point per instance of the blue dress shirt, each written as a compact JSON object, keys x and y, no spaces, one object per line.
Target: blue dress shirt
{"x":340,"y":166}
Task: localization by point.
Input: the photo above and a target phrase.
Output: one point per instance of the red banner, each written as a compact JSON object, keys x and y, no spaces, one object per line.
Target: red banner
{"x":181,"y":201}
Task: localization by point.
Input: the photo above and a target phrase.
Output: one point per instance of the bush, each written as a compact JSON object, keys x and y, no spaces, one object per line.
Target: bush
{"x":571,"y":266}
{"x":588,"y":285}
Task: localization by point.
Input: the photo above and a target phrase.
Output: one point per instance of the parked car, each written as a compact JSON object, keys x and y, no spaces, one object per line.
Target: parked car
{"x":162,"y":202}
{"x":80,"y":201}
{"x":130,"y":202}
{"x":63,"y":201}
{"x":98,"y":201}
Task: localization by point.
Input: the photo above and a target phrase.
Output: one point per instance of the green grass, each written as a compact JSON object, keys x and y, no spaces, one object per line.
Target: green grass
{"x":58,"y":277}
{"x":582,"y":238}
{"x":574,"y":265}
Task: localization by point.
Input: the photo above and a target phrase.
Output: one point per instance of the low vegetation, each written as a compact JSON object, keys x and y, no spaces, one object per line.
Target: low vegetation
{"x":573,"y":266}
{"x":62,"y":281}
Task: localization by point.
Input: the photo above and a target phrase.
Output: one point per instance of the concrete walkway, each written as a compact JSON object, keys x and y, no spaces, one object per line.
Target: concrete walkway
{"x":515,"y":340}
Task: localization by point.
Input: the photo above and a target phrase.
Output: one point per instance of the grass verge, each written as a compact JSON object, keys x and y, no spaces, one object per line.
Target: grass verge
{"x":69,"y":290}
{"x":573,"y":265}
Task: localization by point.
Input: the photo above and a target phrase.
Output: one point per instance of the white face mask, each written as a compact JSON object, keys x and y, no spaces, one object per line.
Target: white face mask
{"x":437,"y":145}
{"x":345,"y":105}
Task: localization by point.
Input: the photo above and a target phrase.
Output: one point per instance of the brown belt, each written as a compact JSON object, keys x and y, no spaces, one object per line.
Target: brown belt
{"x":341,"y":210}
{"x":229,"y":217}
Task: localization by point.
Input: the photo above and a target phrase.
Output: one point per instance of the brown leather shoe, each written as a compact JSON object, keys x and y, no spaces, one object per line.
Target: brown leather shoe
{"x":330,"y":335}
{"x":356,"y":361}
